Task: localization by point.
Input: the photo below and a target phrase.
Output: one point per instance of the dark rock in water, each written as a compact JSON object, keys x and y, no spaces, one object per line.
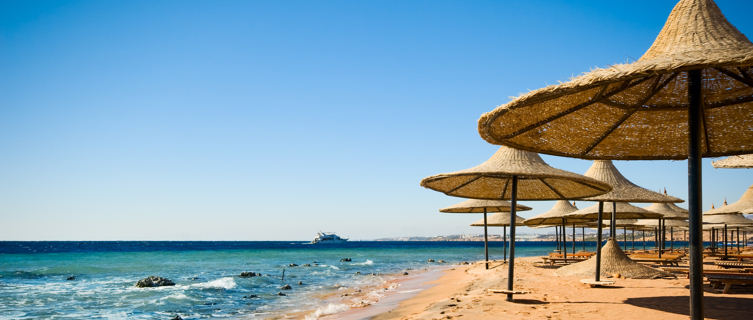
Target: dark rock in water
{"x":300,"y":283}
{"x":71,"y":278}
{"x":405,"y":273}
{"x":153,"y":281}
{"x":358,"y":272}
{"x":292,"y":265}
{"x":286,"y":287}
{"x":250,"y":296}
{"x":430,"y":260}
{"x":441,"y":261}
{"x":307,"y":265}
{"x":281,"y":294}
{"x":193,"y":278}
{"x":176,"y":317}
{"x":346,"y":260}
{"x":249,"y":274}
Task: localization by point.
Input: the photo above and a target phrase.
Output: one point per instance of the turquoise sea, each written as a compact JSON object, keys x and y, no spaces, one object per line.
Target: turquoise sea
{"x":34,"y":276}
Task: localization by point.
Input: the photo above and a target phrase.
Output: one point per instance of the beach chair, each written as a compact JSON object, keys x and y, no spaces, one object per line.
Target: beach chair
{"x":733,"y":264}
{"x":728,"y":279}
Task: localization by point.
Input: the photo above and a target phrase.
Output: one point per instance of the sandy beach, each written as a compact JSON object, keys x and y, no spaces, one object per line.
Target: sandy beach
{"x":462,"y":292}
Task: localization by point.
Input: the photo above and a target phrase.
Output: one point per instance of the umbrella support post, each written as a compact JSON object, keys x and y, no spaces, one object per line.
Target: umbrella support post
{"x":504,"y":242}
{"x":737,"y":234}
{"x":564,"y":240}
{"x":613,"y":223}
{"x":694,"y":194}
{"x":671,"y":239}
{"x":632,"y":238}
{"x":574,"y":239}
{"x":660,"y":236}
{"x":643,"y":232}
{"x":624,"y":237}
{"x":725,"y":242}
{"x":486,"y":243}
{"x":557,"y":237}
{"x":598,"y":242}
{"x":511,"y":266}
{"x":583,"y":237}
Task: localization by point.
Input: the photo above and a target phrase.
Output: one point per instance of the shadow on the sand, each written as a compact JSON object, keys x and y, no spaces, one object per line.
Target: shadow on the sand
{"x":715,"y":307}
{"x":529,"y":301}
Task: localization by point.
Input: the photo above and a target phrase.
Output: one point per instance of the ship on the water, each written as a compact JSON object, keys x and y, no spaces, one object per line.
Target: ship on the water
{"x":323,"y":237}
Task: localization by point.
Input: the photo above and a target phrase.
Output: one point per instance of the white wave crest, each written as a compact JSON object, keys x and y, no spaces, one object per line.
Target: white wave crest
{"x":365,"y":263}
{"x":328,"y":309}
{"x":221,"y":283}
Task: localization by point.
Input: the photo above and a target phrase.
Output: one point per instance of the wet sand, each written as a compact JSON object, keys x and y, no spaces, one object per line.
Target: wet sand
{"x":462,"y":292}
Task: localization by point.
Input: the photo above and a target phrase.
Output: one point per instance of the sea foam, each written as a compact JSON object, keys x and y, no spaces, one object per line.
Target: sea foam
{"x":328,"y":309}
{"x":221,"y":283}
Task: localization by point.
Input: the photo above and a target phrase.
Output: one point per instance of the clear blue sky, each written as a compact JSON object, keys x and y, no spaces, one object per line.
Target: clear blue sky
{"x":272,"y":120}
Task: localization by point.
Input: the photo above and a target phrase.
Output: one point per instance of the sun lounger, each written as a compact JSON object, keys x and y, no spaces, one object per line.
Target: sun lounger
{"x":560,"y":260}
{"x":661,"y":261}
{"x":733,"y":264}
{"x":728,"y":279}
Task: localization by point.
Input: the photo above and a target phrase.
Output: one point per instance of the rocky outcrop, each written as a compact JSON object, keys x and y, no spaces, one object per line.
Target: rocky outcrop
{"x":346,"y":260}
{"x":153,"y":281}
{"x":286,"y":287}
{"x":249,"y":274}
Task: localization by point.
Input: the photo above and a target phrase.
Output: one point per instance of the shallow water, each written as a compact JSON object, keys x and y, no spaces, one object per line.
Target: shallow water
{"x":33,"y":275}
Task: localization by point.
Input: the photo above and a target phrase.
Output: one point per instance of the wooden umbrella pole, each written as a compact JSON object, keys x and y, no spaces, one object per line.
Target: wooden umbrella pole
{"x":671,"y":239}
{"x":557,"y":237}
{"x":695,"y":113}
{"x":504,"y":242}
{"x":486,"y":242}
{"x":564,"y":240}
{"x":624,"y":236}
{"x":598,"y":242}
{"x":574,"y":239}
{"x":613,"y":222}
{"x":737,"y":234}
{"x":511,"y":267}
{"x":643,"y":233}
{"x":632,"y":236}
{"x":659,"y":237}
{"x":583,"y":237}
{"x":725,"y":242}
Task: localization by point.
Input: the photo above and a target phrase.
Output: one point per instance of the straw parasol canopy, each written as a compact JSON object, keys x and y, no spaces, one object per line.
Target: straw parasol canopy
{"x":624,"y":211}
{"x":499,"y":219}
{"x":640,"y":110}
{"x":536,"y":179}
{"x":669,"y":211}
{"x":619,"y":223}
{"x":744,"y":205}
{"x":622,"y":188}
{"x":741,"y":161}
{"x":554,"y":215}
{"x":652,"y":223}
{"x":478,"y":206}
{"x":730,"y":219}
{"x":613,"y":261}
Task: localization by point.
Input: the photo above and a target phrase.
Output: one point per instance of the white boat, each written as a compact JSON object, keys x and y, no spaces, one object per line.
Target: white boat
{"x":323,"y":237}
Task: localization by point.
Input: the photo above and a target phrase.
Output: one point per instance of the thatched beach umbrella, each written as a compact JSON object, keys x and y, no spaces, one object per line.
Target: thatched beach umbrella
{"x":500,"y":219}
{"x":556,"y":217}
{"x":483,"y":206}
{"x":735,"y":220}
{"x":743,"y":205}
{"x":514,"y":174}
{"x":689,"y":96}
{"x":741,"y":161}
{"x":619,"y":210}
{"x":669,"y":211}
{"x":623,"y":190}
{"x":662,"y":224}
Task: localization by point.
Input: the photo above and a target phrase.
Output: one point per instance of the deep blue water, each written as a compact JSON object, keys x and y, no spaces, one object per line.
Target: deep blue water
{"x":33,"y":275}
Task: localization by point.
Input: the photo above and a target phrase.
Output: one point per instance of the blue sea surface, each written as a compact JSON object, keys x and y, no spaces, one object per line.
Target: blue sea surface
{"x":34,"y":285}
